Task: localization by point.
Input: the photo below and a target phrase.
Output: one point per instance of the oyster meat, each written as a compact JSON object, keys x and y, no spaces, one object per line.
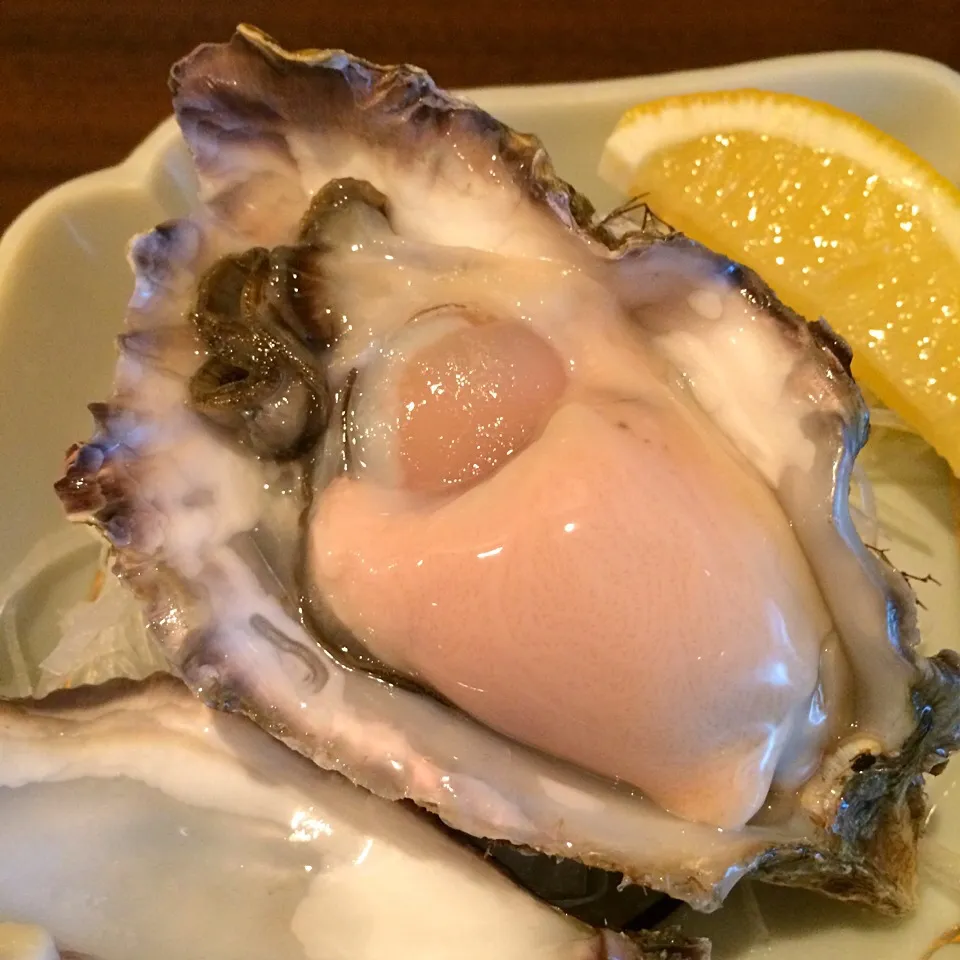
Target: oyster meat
{"x":535,"y":518}
{"x":248,"y":850}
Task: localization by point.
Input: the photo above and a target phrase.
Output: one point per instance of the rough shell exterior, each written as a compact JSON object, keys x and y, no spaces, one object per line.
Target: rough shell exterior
{"x":249,"y":95}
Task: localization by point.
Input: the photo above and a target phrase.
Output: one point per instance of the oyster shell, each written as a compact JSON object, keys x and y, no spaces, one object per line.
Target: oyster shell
{"x":689,"y":668}
{"x":250,"y":850}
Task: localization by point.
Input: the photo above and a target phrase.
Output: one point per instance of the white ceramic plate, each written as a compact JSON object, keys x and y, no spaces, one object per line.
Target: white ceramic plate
{"x":64,"y":283}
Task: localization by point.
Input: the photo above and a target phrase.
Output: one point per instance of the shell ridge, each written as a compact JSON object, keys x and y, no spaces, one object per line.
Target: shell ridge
{"x":251,"y":92}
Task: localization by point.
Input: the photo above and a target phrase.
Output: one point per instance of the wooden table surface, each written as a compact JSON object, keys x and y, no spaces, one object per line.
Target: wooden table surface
{"x":82,"y":81}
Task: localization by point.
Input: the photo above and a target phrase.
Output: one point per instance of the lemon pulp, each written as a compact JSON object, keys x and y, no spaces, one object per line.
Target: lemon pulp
{"x":869,"y":241}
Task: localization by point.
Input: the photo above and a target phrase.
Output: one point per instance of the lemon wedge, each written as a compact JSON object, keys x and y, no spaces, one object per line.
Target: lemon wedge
{"x":840,"y":219}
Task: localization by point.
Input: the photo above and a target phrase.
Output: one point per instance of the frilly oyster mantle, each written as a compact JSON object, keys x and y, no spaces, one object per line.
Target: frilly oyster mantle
{"x":536,"y":519}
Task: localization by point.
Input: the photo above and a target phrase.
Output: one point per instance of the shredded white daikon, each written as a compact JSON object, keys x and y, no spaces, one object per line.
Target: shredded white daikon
{"x":61,"y":625}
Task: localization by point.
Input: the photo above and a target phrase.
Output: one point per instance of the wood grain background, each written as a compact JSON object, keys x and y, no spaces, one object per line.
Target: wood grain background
{"x":82,"y":81}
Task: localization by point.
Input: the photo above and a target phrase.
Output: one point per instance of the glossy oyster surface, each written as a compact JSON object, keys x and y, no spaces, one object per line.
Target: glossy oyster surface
{"x":233,"y":846}
{"x":535,"y":518}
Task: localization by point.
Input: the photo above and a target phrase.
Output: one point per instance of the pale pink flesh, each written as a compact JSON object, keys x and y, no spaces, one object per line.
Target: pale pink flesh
{"x":624,"y":595}
{"x":471,"y":399}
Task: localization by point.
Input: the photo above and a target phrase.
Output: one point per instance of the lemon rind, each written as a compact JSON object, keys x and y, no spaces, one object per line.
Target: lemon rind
{"x":671,"y":121}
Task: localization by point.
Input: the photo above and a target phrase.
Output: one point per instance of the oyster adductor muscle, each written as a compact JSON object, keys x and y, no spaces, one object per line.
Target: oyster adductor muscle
{"x":535,"y":518}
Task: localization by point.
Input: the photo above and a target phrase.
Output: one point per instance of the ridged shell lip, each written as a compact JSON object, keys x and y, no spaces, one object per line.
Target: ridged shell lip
{"x":166,"y":139}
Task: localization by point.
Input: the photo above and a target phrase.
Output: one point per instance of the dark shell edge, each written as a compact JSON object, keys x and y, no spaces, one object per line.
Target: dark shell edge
{"x":868,"y":852}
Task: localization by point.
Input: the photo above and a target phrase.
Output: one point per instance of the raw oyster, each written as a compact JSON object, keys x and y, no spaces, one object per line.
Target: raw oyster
{"x":537,"y":519}
{"x":251,"y":851}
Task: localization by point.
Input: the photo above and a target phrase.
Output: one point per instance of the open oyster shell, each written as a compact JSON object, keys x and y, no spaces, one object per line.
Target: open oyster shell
{"x":250,"y":850}
{"x":254,"y":459}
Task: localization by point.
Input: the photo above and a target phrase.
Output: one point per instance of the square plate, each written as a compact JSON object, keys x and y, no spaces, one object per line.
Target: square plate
{"x":64,"y":284}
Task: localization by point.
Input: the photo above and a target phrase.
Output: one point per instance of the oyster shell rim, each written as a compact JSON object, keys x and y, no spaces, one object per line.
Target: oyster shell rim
{"x":893,"y":777}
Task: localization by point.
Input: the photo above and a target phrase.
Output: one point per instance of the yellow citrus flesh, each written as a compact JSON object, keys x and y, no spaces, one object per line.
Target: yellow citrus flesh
{"x":841,"y":220}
